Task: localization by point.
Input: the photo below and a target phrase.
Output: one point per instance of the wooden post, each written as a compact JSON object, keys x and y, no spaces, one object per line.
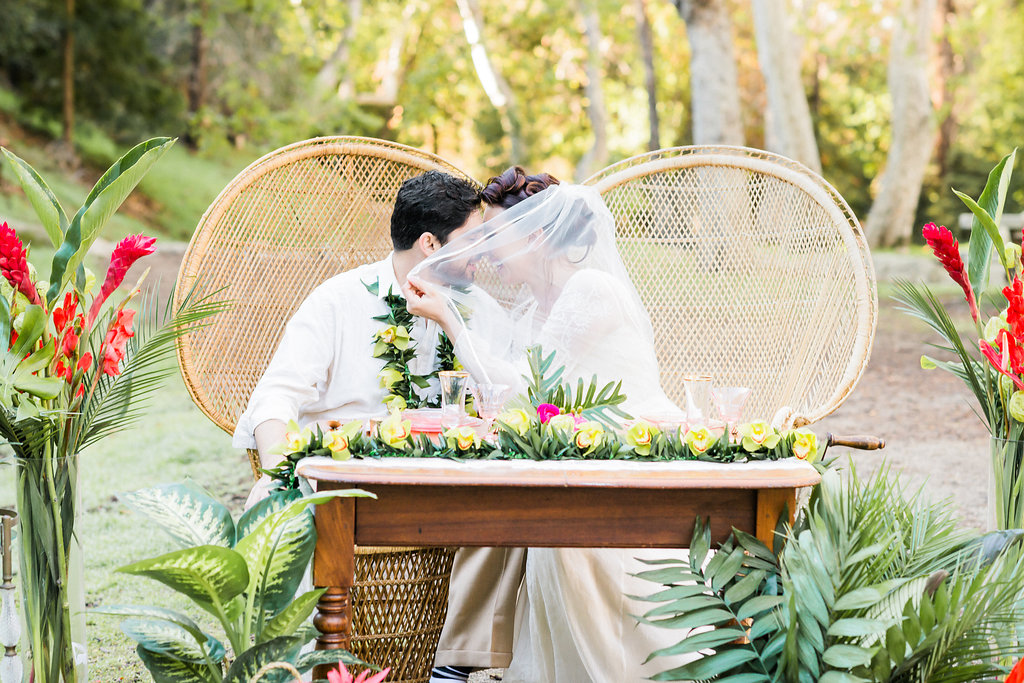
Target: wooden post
{"x":770,"y":506}
{"x":334,"y":566}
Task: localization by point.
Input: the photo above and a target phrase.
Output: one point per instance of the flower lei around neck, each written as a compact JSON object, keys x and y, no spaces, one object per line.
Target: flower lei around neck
{"x":395,"y":347}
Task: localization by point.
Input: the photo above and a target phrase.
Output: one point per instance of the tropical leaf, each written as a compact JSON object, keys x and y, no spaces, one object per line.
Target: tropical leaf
{"x":102,"y":202}
{"x":186,"y":512}
{"x":291,"y":617}
{"x":252,"y":517}
{"x":150,"y":612}
{"x":308,"y":660}
{"x":209,"y":575}
{"x":282,"y":649}
{"x":166,"y":669}
{"x":991,"y":201}
{"x":45,"y":203}
{"x":169,"y":639}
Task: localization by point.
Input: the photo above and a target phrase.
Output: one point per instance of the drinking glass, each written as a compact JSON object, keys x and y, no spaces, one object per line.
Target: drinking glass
{"x":489,"y":400}
{"x":453,"y":397}
{"x":729,"y":402}
{"x":698,"y":399}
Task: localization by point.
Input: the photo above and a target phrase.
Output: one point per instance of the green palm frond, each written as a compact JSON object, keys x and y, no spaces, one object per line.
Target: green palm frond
{"x":118,"y":401}
{"x":589,"y":399}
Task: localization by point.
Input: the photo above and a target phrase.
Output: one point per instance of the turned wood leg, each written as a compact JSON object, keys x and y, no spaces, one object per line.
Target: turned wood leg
{"x":771,"y":504}
{"x":334,"y":567}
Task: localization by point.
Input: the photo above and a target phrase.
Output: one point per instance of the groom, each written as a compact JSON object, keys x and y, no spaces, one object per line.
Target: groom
{"x":324,"y":369}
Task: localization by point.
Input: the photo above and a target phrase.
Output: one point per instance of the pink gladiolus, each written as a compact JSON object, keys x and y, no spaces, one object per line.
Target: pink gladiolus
{"x":947,"y":250}
{"x":341,"y":675}
{"x":546,"y":411}
{"x":14,"y":265}
{"x":126,"y":253}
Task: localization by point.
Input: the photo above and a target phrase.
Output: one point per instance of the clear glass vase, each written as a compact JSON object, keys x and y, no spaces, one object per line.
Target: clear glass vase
{"x":1006,"y":484}
{"x":51,"y":570}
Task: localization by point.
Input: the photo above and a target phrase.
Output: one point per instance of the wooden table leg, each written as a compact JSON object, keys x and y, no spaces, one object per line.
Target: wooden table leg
{"x":334,"y":566}
{"x":771,"y":504}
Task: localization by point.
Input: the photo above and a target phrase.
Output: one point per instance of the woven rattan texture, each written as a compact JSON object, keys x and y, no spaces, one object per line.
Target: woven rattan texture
{"x":402,"y":598}
{"x":287,"y":223}
{"x":753,"y":269}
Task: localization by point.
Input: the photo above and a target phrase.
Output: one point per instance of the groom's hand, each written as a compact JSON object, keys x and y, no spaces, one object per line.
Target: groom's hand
{"x":428,"y":301}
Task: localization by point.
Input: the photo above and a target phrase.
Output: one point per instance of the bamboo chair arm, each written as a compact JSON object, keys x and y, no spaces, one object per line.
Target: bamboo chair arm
{"x":858,"y":441}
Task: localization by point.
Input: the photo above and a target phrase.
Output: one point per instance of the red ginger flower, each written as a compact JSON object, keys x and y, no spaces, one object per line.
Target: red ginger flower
{"x":1014,"y":294}
{"x":14,"y":266}
{"x":113,"y":346}
{"x":947,"y":250}
{"x":126,"y":253}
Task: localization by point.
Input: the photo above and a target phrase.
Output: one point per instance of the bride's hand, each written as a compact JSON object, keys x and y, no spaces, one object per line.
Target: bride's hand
{"x":427,"y":301}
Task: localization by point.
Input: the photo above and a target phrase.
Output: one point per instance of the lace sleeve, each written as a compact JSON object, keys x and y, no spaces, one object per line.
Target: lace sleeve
{"x":588,"y":309}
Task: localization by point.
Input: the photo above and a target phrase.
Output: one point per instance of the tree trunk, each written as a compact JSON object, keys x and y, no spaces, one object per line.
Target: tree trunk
{"x":329,"y":75}
{"x":497,"y":89}
{"x":643,"y":25}
{"x":945,"y":104}
{"x":68,"y":76}
{"x":196,"y":74}
{"x":788,"y":128}
{"x":891,"y":219}
{"x":597,"y":156}
{"x":713,"y":80}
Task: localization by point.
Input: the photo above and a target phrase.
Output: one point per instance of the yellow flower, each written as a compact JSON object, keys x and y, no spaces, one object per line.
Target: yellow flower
{"x":589,"y":436}
{"x":462,"y":438}
{"x":392,"y":335}
{"x":639,"y":436}
{"x":394,"y":402}
{"x":389,"y":377}
{"x":337,"y":441}
{"x":805,"y":443}
{"x":758,"y":435}
{"x":699,"y":439}
{"x":394,"y":431}
{"x":992,"y":327}
{"x":566,"y":422}
{"x":1016,"y":406}
{"x":516,"y":419}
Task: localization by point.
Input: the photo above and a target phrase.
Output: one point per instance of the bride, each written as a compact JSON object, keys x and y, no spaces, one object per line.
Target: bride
{"x":544,"y":269}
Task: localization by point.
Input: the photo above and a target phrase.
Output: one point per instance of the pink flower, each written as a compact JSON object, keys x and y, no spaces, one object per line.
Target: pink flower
{"x":546,"y":411}
{"x":127,"y":252}
{"x":14,"y":265}
{"x":341,"y":675}
{"x":947,"y":250}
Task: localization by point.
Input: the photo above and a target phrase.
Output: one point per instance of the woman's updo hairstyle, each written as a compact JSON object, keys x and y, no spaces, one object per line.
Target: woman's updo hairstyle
{"x":514,"y":185}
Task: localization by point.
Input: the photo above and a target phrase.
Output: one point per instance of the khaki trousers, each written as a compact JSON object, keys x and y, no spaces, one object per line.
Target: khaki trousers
{"x":480,"y":625}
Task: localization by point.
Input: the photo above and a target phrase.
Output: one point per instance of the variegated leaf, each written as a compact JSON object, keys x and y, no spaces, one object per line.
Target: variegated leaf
{"x":172,"y":640}
{"x":251,"y":518}
{"x":187,"y":512}
{"x":283,"y":649}
{"x":208,"y":574}
{"x":166,"y":669}
{"x":279,"y":548}
{"x":152,"y":612}
{"x":291,"y":617}
{"x":310,"y":659}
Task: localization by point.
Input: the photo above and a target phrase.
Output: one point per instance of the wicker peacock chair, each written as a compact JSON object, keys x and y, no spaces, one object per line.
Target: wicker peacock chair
{"x":754,"y":270}
{"x":285,"y":224}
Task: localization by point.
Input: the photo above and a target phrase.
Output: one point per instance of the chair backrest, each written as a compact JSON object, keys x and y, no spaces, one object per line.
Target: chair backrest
{"x":754,"y":270}
{"x":285,"y":224}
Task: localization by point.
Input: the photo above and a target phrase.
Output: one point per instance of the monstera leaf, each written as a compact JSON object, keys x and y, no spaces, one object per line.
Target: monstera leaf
{"x":187,"y":512}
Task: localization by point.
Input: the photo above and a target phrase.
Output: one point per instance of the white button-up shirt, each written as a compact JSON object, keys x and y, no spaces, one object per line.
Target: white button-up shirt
{"x":324,"y":367}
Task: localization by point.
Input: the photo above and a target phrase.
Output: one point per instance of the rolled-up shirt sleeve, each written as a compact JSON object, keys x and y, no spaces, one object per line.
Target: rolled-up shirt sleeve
{"x":298,"y":373}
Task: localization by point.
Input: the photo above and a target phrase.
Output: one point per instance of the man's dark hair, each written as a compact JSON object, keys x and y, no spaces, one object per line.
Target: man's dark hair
{"x":432,"y":202}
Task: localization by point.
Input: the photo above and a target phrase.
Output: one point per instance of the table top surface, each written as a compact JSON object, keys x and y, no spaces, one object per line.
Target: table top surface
{"x":679,"y":474}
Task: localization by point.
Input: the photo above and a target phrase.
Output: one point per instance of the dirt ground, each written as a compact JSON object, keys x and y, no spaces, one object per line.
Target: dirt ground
{"x":926,"y":418}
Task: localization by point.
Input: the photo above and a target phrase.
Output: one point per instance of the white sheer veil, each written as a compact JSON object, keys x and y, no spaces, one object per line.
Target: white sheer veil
{"x":547,"y":272}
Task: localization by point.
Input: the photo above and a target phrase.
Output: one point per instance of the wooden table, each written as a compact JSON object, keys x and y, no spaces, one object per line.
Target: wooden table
{"x":609,"y":504}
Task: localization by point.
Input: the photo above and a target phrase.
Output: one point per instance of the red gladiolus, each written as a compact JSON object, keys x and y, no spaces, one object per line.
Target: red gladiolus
{"x":62,"y":370}
{"x":113,"y":346}
{"x":1007,"y":356}
{"x":947,"y":250}
{"x":126,"y":253}
{"x":70,"y":343}
{"x":65,"y":313}
{"x":85,"y":362}
{"x":1016,"y":673}
{"x":14,"y":266}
